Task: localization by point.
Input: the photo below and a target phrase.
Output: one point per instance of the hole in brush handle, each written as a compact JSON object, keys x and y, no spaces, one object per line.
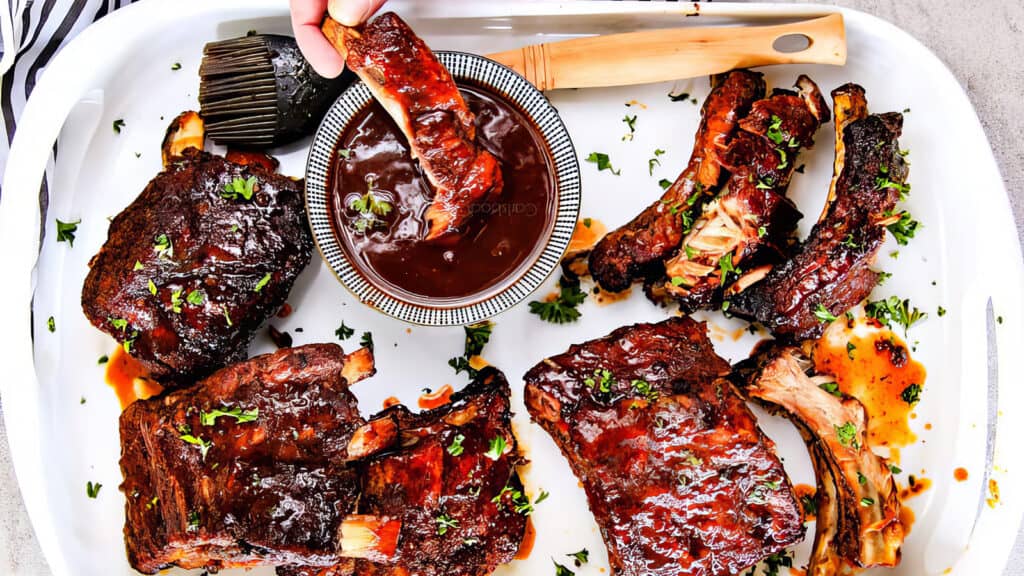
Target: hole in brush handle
{"x":792,"y":43}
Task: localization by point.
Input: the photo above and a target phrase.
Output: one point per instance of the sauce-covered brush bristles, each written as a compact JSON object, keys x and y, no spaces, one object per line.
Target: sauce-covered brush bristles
{"x":405,"y":76}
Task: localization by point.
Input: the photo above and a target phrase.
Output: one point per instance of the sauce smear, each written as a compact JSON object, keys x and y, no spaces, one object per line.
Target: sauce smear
{"x":129,"y":379}
{"x":437,"y":398}
{"x":873,"y":365}
{"x":497,"y":243}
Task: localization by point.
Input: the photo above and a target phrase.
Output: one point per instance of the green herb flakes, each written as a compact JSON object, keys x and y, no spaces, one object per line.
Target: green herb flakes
{"x":66,"y":231}
{"x":603,"y":162}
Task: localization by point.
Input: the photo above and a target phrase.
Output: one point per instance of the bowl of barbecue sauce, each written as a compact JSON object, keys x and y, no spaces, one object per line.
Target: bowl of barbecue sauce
{"x":367,"y":199}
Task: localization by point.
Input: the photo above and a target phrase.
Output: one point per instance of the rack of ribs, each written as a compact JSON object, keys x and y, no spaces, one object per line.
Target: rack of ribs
{"x":677,"y":473}
{"x":418,"y":92}
{"x":192,"y":267}
{"x":830,"y":271}
{"x":858,"y":519}
{"x":268,"y":462}
{"x":749,"y":226}
{"x":459,"y":501}
{"x":637,"y":249}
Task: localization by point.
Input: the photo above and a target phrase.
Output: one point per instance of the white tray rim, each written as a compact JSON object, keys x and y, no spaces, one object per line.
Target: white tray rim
{"x":81,"y":65}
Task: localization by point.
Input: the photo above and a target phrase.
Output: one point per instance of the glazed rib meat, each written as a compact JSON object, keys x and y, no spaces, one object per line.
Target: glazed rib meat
{"x":460,"y":510}
{"x":858,"y":505}
{"x":419,"y":93}
{"x":638,"y":248}
{"x":831,"y":270}
{"x":747,"y":228}
{"x":678,"y":475}
{"x":190,"y":269}
{"x":248,"y":467}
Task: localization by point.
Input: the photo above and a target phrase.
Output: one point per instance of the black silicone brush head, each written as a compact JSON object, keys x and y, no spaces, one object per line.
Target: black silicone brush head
{"x":258,"y":91}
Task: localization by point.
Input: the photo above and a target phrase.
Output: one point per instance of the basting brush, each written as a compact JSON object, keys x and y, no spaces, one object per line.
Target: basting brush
{"x":259,"y":91}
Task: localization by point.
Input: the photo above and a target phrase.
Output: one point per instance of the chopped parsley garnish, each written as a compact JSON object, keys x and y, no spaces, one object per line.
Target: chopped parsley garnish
{"x":725,"y":265}
{"x":92,"y":490}
{"x":193,"y":521}
{"x":832,"y":388}
{"x":941,"y":311}
{"x":542,"y":497}
{"x":587,"y":222}
{"x":562,"y":570}
{"x":911,"y":394}
{"x":774,"y":132}
{"x":654,"y":161}
{"x":690,"y":252}
{"x":204,"y":445}
{"x":51,"y":324}
{"x":370,"y":207}
{"x":263,"y":282}
{"x":138,"y":266}
{"x":823,"y":315}
{"x":681,"y":97}
{"x":631,"y":123}
{"x":893,"y":309}
{"x":196,"y":297}
{"x":761,"y":231}
{"x":765,"y":184}
{"x":882,"y":182}
{"x":665,"y":183}
{"x":809,"y":505}
{"x":847,"y":434}
{"x":118,"y":323}
{"x":152,"y":286}
{"x":227,"y":316}
{"x":444,"y":523}
{"x":455,"y":448}
{"x":240,"y":416}
{"x":239,"y":187}
{"x":562,"y":308}
{"x":895,"y":469}
{"x":176,"y":66}
{"x":678,"y":280}
{"x":345,"y":153}
{"x":603,"y":163}
{"x":783,"y":160}
{"x":520,"y":503}
{"x":865,"y":502}
{"x":344,"y":332}
{"x":603,"y":381}
{"x":127,"y":344}
{"x":366,"y":340}
{"x":644,"y":389}
{"x":861,"y":479}
{"x":496,"y":448}
{"x":477,"y":336}
{"x":849,"y":243}
{"x":176,"y":301}
{"x":66,"y":231}
{"x":849,"y":350}
{"x":118,"y":125}
{"x":580,"y":558}
{"x":103,"y":359}
{"x":904,"y":228}
{"x":163,"y":247}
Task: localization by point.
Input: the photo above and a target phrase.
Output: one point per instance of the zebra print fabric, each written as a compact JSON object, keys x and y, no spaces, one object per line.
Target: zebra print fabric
{"x":33,"y":31}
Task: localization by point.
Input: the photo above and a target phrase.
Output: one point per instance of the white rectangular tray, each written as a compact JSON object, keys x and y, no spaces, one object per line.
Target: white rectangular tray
{"x":121,"y":68}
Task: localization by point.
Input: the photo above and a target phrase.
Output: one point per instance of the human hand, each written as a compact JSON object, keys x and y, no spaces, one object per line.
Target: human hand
{"x":308,"y":15}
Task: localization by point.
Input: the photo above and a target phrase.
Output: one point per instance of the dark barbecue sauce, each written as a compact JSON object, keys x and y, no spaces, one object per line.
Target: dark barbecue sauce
{"x":495,"y":246}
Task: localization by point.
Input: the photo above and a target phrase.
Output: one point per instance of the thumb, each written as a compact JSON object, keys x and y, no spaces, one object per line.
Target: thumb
{"x":353,"y":12}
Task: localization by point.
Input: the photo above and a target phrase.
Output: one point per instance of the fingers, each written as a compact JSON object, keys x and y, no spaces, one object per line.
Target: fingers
{"x":306,"y":18}
{"x":353,"y":12}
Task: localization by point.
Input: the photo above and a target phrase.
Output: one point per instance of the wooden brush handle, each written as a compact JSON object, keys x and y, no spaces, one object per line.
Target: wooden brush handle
{"x":660,"y":55}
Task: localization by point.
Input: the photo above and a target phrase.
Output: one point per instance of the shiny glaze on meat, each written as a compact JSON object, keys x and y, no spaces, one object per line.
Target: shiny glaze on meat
{"x":680,"y":478}
{"x":418,"y":479}
{"x":270,"y":491}
{"x":218,"y":246}
{"x":638,"y":248}
{"x":831,"y":269}
{"x":419,"y":93}
{"x":751,"y":223}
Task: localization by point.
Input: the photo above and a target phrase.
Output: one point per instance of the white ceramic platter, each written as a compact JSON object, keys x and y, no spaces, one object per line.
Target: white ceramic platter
{"x":121,"y":68}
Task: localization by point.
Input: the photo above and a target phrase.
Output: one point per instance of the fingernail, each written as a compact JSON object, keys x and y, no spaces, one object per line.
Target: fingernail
{"x":350,"y":13}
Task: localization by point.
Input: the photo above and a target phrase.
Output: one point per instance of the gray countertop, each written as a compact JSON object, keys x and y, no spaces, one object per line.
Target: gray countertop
{"x":979,"y":41}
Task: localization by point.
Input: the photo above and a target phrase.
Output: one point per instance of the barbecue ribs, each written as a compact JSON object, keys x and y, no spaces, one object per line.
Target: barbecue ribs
{"x":419,"y":93}
{"x":678,"y":475}
{"x":246,"y":468}
{"x":858,"y":505}
{"x":750,"y":224}
{"x":830,"y":273}
{"x":637,"y":249}
{"x":191,"y":268}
